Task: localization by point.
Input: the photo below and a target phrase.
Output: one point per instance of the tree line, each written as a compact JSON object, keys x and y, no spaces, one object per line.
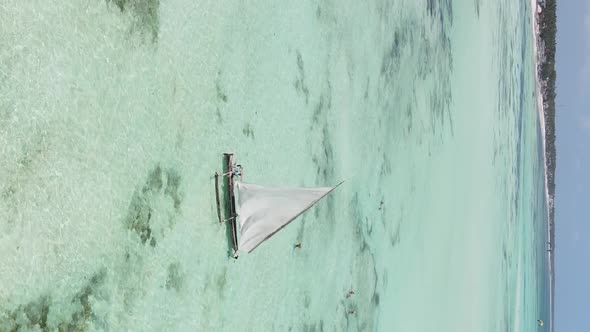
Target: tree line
{"x":547,"y":19}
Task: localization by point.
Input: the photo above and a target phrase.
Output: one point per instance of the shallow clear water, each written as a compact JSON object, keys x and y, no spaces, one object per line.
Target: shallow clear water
{"x":114,"y":117}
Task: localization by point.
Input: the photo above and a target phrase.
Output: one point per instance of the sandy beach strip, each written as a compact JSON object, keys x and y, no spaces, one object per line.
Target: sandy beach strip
{"x":541,"y":111}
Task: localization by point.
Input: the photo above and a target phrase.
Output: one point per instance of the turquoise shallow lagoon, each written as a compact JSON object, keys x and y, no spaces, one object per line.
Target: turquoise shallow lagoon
{"x":114,"y":116}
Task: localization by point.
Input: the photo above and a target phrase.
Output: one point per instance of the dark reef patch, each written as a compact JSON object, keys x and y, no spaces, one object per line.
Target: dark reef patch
{"x":357,"y":222}
{"x":20,"y":174}
{"x":172,"y":186}
{"x":385,"y":168}
{"x":221,"y":281}
{"x":428,"y":43}
{"x":300,"y":85}
{"x":306,"y":300}
{"x":375,"y":299}
{"x":221,"y":96}
{"x":322,"y":152}
{"x":175,"y":278}
{"x":92,"y":289}
{"x":154,"y":180}
{"x":138,"y":218}
{"x":314,"y":326}
{"x":153,"y":210}
{"x":8,"y":192}
{"x":34,"y":315}
{"x":145,"y":15}
{"x":394,"y":238}
{"x":390,"y":64}
{"x":442,"y":9}
{"x":323,"y":159}
{"x":140,"y":215}
{"x":248,"y":131}
{"x":31,"y":316}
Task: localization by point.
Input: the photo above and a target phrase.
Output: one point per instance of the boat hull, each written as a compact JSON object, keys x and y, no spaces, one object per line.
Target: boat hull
{"x":231,"y":200}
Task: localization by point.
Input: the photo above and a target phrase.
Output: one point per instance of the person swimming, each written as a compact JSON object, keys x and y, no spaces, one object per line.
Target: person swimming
{"x":298,"y":245}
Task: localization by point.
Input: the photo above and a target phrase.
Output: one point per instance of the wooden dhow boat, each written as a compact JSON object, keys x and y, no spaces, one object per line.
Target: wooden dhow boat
{"x":255,"y":213}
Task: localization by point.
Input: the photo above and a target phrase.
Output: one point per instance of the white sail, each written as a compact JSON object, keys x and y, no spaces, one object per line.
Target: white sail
{"x":263,"y":211}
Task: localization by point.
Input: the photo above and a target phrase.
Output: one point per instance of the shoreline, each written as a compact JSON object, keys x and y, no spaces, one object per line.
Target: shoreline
{"x":541,"y":113}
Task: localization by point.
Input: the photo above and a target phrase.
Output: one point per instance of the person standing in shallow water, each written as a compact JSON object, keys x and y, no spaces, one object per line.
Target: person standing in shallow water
{"x":235,"y":171}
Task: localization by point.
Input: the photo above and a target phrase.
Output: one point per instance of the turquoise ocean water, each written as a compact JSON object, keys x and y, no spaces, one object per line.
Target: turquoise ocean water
{"x":114,"y":116}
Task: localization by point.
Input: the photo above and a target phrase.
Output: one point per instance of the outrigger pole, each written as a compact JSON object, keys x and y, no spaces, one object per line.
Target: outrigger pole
{"x":217,"y":196}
